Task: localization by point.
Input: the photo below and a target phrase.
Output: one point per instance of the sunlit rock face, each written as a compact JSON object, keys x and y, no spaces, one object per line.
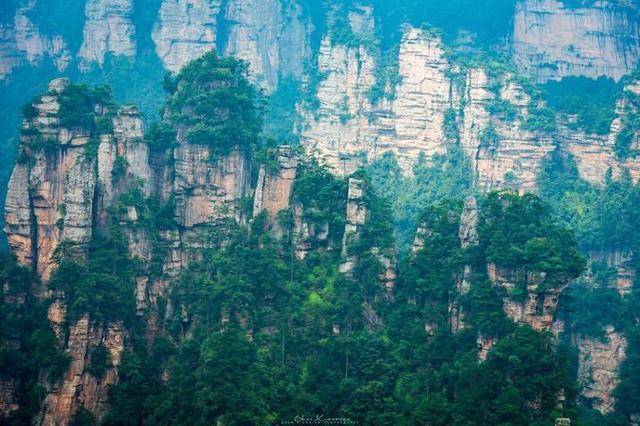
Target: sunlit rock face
{"x":433,"y":105}
{"x":552,"y":40}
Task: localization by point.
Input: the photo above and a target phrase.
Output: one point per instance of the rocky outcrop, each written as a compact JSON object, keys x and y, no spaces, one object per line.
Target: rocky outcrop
{"x":71,"y":181}
{"x":536,"y":307}
{"x":206,"y":191}
{"x":108,"y":29}
{"x":185,"y":29}
{"x":53,"y":190}
{"x":79,"y":387}
{"x":620,"y":261}
{"x":274,"y":188}
{"x":599,"y":361}
{"x":337,"y":129}
{"x":552,"y":40}
{"x":356,"y":218}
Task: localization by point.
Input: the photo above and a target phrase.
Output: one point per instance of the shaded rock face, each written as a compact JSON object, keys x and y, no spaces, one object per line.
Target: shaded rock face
{"x":599,"y":361}
{"x":272,"y":36}
{"x":551,"y":40}
{"x":206,"y":191}
{"x":468,"y":238}
{"x":357,"y":214}
{"x":595,"y":155}
{"x":108,"y":29}
{"x":621,"y":261}
{"x":356,"y":218}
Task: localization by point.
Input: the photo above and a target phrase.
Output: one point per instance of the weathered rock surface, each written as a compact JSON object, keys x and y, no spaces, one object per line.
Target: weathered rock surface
{"x":271,"y":36}
{"x":599,"y":361}
{"x":185,"y":30}
{"x":79,"y":388}
{"x":347,"y":131}
{"x":274,"y":188}
{"x":553,"y":40}
{"x":108,"y":29}
{"x":339,"y":132}
{"x":21,"y":42}
{"x":536,"y":309}
{"x":357,"y":214}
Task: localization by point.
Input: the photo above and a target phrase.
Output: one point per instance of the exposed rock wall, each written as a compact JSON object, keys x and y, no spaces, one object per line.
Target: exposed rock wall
{"x":357,"y":214}
{"x":599,"y":361}
{"x":536,"y":309}
{"x":53,"y":191}
{"x":108,"y":29}
{"x":274,"y":188}
{"x":433,"y":98}
{"x":552,"y":40}
{"x":185,"y":30}
{"x":79,"y":388}
{"x":468,"y":238}
{"x":596,"y":155}
{"x":271,"y":36}
{"x":64,"y":188}
{"x":22,"y":42}
{"x":205,"y":191}
{"x":338,"y":131}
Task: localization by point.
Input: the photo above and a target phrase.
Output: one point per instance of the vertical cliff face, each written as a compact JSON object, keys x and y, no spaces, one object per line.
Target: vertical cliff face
{"x":108,"y":29}
{"x":206,"y":191}
{"x":184,"y":30}
{"x":357,"y":213}
{"x":53,"y":189}
{"x":271,"y":36}
{"x":335,"y":126}
{"x":552,"y":40}
{"x":65,"y":187}
{"x":537,"y":308}
{"x":22,"y":42}
{"x":274,"y":188}
{"x":80,"y":388}
{"x":434,"y":103}
{"x":599,"y":361}
{"x":468,"y":238}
